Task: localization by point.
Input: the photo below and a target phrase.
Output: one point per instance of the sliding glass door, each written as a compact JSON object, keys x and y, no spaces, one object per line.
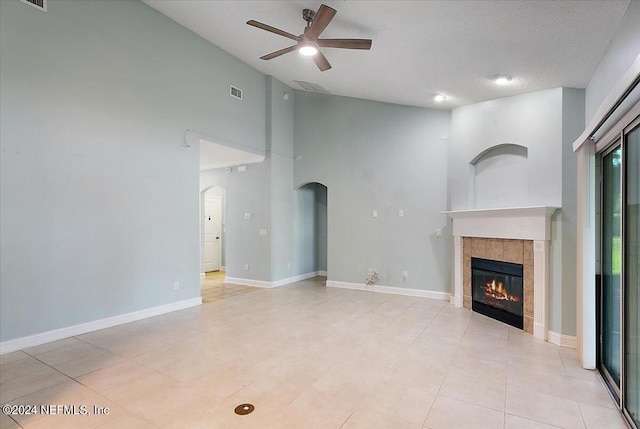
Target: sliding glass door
{"x":631,"y":395}
{"x":619,"y":357}
{"x":610,"y":350}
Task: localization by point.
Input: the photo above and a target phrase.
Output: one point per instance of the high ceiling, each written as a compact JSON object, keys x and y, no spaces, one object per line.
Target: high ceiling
{"x":420,"y":48}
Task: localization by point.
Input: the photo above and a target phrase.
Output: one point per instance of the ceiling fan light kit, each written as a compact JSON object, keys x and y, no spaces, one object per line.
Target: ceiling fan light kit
{"x":308,"y":49}
{"x":501,"y":79}
{"x":308,"y":41}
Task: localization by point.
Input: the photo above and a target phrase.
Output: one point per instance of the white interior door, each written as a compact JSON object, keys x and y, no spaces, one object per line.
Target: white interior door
{"x":212,"y":233}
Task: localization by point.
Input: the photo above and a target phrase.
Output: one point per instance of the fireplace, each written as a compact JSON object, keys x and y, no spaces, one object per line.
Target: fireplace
{"x":497,"y":290}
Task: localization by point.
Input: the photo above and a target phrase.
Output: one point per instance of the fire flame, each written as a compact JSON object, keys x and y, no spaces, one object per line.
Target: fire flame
{"x":497,"y":291}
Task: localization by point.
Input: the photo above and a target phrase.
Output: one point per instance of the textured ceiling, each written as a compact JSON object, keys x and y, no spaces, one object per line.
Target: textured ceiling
{"x":420,"y":48}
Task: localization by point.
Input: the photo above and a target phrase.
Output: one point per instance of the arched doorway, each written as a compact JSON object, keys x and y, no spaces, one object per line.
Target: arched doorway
{"x":310,"y":228}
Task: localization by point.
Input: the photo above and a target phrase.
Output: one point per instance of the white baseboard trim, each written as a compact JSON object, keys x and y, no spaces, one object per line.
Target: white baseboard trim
{"x":456,"y":301}
{"x":203,"y":275}
{"x":561,"y":340}
{"x":392,"y":290}
{"x":71,"y":331}
{"x":247,"y":282}
{"x":265,"y":284}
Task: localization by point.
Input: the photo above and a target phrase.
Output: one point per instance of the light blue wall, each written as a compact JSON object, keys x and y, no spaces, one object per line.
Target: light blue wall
{"x":544,"y":122}
{"x":385,"y":157}
{"x":620,"y":54}
{"x":246,"y":192}
{"x":99,"y":199}
{"x":280,"y":142}
{"x":573,"y":101}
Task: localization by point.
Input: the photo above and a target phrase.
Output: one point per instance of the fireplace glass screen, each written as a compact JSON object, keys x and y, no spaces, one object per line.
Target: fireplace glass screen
{"x":497,"y":290}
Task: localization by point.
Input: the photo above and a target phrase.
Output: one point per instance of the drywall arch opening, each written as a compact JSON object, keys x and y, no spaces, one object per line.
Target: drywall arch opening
{"x":213,"y":203}
{"x":498,"y":177}
{"x":310,"y":229}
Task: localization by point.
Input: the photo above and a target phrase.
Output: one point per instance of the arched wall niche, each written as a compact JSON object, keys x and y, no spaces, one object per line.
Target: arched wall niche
{"x":499,"y":177}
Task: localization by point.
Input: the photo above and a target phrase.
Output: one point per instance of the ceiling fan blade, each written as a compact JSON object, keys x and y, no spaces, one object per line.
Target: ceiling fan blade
{"x":278,"y":53}
{"x":323,"y":17}
{"x":321,"y":61}
{"x":345,"y":43}
{"x":273,"y":30}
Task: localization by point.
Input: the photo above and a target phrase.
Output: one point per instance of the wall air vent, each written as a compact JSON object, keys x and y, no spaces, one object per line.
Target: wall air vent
{"x":38,"y":4}
{"x":235,"y":92}
{"x":308,"y":86}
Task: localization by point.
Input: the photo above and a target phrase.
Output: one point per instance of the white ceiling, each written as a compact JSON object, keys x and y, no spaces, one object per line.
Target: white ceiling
{"x":420,"y":48}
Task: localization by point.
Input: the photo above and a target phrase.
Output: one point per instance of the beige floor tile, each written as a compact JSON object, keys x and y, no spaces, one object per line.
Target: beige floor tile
{"x":130,"y":392}
{"x":74,"y":351}
{"x":308,"y":356}
{"x":543,"y":408}
{"x":66,"y":393}
{"x":475,"y":391}
{"x":315,"y":410}
{"x":128,"y":421}
{"x":591,"y":392}
{"x":114,"y":375}
{"x":406,"y":403}
{"x":367,"y":418}
{"x":7,"y":422}
{"x":574,"y":369}
{"x":596,"y":417}
{"x":28,"y":382}
{"x":447,"y":413}
{"x":541,"y":381}
{"x":52,"y":346}
{"x":487,"y":370}
{"x":515,"y":422}
{"x":88,"y":363}
{"x":427,"y":377}
{"x":12,"y":357}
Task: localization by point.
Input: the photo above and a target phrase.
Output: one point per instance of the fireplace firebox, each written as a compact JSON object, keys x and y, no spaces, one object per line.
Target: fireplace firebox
{"x":497,"y":290}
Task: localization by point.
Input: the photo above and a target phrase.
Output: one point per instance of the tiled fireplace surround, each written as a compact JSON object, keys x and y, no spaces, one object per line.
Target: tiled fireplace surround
{"x":498,"y":249}
{"x":519,"y":235}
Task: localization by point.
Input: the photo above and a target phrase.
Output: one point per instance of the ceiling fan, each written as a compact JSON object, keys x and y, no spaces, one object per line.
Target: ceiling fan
{"x":308,"y":42}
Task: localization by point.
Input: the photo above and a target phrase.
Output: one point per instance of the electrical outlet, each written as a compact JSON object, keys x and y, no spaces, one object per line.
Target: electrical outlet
{"x":401,"y":213}
{"x":289,"y":265}
{"x":176,"y":285}
{"x":246,"y":267}
{"x":370,"y":271}
{"x":247,"y":215}
{"x":438,"y":232}
{"x":405,"y":275}
{"x":375,"y":213}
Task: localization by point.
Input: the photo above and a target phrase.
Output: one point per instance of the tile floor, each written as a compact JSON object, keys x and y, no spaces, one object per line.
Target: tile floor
{"x":308,"y":356}
{"x":213,"y":287}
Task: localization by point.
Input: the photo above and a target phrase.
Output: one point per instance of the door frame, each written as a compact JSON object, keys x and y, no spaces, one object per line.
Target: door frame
{"x":222,"y":230}
{"x":619,"y":139}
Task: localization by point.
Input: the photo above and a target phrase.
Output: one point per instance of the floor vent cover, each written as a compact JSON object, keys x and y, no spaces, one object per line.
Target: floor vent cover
{"x":243,"y":409}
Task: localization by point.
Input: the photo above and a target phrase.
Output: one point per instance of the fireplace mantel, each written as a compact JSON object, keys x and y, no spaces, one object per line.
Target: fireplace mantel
{"x":518,"y":223}
{"x":523,"y":223}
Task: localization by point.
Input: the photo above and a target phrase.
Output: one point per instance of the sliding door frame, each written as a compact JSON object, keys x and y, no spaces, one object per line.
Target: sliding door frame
{"x":615,"y":140}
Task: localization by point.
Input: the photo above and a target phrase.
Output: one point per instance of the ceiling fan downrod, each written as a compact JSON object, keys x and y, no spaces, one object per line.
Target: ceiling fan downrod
{"x":308,"y":15}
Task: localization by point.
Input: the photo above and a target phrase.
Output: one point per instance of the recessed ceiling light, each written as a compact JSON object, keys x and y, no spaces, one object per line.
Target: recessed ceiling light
{"x":502,"y":79}
{"x":440,"y":98}
{"x":308,"y":50}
